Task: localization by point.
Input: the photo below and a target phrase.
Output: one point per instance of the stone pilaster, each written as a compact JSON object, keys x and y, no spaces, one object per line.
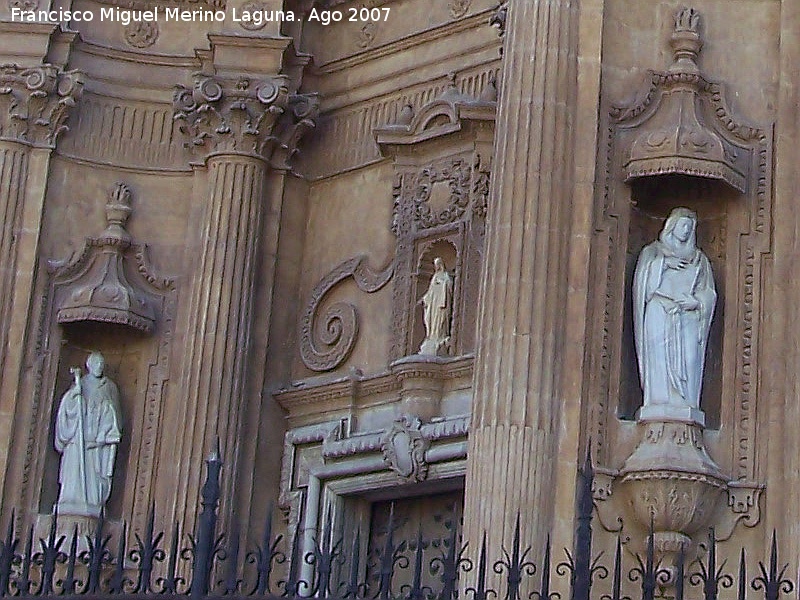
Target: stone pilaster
{"x":34,"y":106}
{"x":240,"y":126}
{"x":231,"y":122}
{"x":517,"y":400}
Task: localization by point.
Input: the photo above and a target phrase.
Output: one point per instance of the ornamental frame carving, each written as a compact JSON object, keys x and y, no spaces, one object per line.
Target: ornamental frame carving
{"x":47,"y":355}
{"x":447,"y":143}
{"x":745,"y":244}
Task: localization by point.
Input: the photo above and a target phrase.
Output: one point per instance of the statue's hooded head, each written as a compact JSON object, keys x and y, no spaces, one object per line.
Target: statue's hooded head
{"x":96,"y":364}
{"x":680,"y":231}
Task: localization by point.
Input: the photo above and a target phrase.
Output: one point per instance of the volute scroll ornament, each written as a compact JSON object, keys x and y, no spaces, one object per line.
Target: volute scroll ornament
{"x":327,"y":340}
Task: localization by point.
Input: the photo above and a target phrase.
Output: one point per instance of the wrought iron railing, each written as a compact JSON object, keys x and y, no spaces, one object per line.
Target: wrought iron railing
{"x":215,"y":566}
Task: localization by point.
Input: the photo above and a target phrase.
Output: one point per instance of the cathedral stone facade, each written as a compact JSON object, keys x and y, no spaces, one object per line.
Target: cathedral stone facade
{"x":380,"y":256}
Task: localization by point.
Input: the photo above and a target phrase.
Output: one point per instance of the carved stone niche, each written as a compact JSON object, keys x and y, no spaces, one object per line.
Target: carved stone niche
{"x":442,"y":157}
{"x":106,"y":298}
{"x":100,"y":290}
{"x":676,"y":145}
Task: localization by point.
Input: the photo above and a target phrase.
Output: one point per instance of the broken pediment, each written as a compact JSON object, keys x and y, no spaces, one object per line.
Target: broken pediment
{"x":446,"y":114}
{"x":681,"y":125}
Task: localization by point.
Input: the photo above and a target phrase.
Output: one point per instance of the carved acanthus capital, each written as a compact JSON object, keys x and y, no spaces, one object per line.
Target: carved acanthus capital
{"x":238,"y":116}
{"x":35,"y":102}
{"x":300,"y":118}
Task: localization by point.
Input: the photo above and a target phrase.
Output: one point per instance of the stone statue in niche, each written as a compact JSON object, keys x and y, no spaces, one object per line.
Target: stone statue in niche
{"x":437,"y":304}
{"x":673,"y":304}
{"x":88,"y":429}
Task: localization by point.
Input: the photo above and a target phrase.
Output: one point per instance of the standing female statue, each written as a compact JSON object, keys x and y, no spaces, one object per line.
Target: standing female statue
{"x":673,"y":304}
{"x":437,"y":306}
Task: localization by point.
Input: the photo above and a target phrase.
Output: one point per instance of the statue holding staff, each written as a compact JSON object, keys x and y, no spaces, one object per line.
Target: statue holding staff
{"x":88,"y":429}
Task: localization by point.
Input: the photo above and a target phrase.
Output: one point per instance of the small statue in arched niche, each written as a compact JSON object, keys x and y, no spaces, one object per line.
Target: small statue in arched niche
{"x":437,"y":305}
{"x":673,"y":304}
{"x":88,"y":430}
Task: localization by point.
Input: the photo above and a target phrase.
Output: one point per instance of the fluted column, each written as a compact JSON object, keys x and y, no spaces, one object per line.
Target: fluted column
{"x":34,"y":106}
{"x":238,"y":124}
{"x":517,"y":396}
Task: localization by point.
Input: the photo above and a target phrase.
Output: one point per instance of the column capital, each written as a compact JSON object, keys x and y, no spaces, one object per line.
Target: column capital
{"x":243,"y":115}
{"x":35,"y":102}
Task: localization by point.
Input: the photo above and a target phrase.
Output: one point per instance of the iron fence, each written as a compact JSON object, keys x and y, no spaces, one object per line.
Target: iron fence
{"x":215,"y":566}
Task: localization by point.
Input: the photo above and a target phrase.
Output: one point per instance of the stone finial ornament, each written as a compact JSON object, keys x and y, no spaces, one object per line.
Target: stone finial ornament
{"x":102,"y":292}
{"x":87,"y":431}
{"x":675,"y":138}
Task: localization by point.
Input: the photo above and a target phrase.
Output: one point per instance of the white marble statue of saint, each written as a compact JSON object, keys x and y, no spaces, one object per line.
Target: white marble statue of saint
{"x":88,"y":429}
{"x":673,"y":304}
{"x":437,"y":306}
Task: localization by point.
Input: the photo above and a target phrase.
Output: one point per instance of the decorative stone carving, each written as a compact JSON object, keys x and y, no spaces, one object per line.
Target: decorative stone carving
{"x":674,"y":299}
{"x":676,"y":140}
{"x":87,"y":430}
{"x":35,"y":102}
{"x":437,"y":307}
{"x":224,"y":115}
{"x":102,"y":292}
{"x":736,"y":236}
{"x":439,"y":208}
{"x":25,"y":5}
{"x":404,"y":449}
{"x":366,"y":34}
{"x":671,"y":478}
{"x":141,"y":34}
{"x":250,"y":8}
{"x":300,"y":119}
{"x":458,"y":8}
{"x":499,"y":19}
{"x":326,"y":341}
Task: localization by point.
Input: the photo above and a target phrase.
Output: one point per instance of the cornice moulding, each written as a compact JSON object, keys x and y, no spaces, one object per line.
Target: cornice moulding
{"x":405,"y":43}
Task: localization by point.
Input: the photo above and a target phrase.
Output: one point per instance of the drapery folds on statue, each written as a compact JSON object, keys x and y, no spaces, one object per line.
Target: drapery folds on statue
{"x":673,"y":305}
{"x":88,"y":429}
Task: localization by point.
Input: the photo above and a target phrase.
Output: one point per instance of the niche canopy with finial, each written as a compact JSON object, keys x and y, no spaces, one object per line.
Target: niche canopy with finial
{"x":675,"y":138}
{"x":100,"y":290}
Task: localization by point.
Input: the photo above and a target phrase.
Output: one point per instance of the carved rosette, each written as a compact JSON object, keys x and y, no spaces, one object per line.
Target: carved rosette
{"x":35,"y":102}
{"x":243,"y":116}
{"x":141,"y":34}
{"x":99,"y":288}
{"x":404,"y":448}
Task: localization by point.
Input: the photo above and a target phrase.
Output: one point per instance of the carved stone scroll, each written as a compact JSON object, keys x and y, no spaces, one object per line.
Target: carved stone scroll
{"x":327,"y":340}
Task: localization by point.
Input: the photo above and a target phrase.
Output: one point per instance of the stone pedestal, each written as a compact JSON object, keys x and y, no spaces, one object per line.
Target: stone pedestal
{"x":421,"y":379}
{"x":671,"y":481}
